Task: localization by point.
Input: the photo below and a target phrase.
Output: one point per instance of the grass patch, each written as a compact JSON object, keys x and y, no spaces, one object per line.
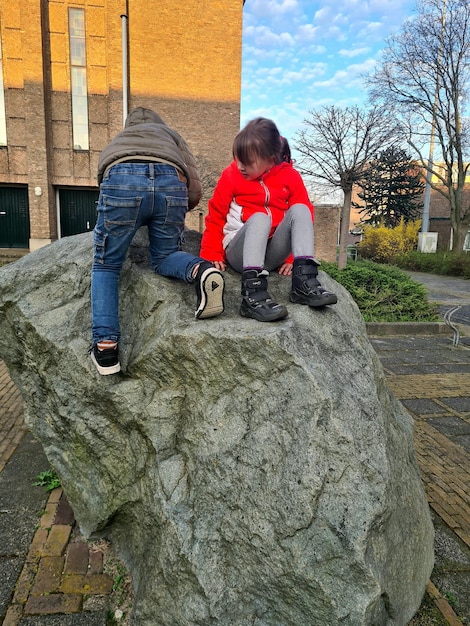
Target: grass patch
{"x":384,"y":293}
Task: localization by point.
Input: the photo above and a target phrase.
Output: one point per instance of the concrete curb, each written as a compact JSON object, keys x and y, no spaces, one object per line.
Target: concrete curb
{"x":413,"y":328}
{"x":406,"y":328}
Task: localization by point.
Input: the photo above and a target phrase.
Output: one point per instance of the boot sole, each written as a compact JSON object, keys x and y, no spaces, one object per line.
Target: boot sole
{"x":280,"y":315}
{"x":314,"y":303}
{"x":105,"y":371}
{"x":212,"y":294}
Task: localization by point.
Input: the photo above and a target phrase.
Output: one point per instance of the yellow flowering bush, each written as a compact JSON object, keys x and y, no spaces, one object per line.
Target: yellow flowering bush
{"x":382,"y":244}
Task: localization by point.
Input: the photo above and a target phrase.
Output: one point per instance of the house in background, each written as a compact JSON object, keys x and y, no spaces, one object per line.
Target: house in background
{"x":439,"y":216}
{"x":69,"y":71}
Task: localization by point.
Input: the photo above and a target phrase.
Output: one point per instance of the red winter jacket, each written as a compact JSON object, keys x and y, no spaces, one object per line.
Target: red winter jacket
{"x":236,"y":199}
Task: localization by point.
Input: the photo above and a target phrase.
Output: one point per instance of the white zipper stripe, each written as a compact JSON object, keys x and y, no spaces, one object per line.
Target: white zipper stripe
{"x":266,"y":197}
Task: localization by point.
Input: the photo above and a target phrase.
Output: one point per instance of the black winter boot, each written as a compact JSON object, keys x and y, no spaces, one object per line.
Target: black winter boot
{"x":306,"y":288}
{"x":257,"y":303}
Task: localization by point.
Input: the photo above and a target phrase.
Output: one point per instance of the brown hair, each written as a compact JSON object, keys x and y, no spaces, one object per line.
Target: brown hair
{"x":285,"y":151}
{"x":260,"y":139}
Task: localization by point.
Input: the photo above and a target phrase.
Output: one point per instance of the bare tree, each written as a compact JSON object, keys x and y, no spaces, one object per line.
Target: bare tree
{"x":425,"y":77}
{"x":335,"y":148}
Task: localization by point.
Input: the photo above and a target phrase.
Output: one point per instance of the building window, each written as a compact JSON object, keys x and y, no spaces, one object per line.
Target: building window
{"x":78,"y":79}
{"x":3,"y":121}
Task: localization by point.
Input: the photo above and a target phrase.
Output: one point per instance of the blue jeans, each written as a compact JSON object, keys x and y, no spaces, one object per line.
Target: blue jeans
{"x":132,"y":195}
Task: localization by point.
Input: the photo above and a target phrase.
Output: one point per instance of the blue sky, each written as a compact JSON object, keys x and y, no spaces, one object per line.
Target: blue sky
{"x":302,"y":54}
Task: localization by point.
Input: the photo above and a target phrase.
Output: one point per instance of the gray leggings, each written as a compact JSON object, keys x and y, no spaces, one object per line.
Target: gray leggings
{"x":252,"y":248}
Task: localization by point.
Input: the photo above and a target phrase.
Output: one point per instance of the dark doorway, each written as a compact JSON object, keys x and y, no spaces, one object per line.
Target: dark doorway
{"x":14,"y":217}
{"x":77,"y":210}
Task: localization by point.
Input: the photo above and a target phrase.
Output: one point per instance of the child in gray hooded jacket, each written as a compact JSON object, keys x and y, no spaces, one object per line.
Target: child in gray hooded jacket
{"x":148,"y":177}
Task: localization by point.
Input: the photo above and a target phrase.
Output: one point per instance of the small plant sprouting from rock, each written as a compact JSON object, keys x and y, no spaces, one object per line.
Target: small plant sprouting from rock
{"x":452,"y":600}
{"x":119,"y":579}
{"x":122,"y":597}
{"x":47,"y":479}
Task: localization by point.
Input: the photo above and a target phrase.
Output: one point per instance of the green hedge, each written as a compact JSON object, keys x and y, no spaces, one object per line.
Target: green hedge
{"x":384,"y":293}
{"x":442,"y":263}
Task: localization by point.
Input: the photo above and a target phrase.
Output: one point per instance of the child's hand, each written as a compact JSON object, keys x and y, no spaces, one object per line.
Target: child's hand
{"x":220,"y":265}
{"x":285,"y":269}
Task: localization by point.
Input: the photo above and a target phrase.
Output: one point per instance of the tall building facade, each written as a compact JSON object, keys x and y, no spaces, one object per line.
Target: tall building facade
{"x":70,"y":71}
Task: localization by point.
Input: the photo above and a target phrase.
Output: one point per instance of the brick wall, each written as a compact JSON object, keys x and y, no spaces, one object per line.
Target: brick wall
{"x":194,"y":86}
{"x":326,"y":231}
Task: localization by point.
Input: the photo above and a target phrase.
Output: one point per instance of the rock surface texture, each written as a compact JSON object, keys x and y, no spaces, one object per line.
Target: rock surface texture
{"x":249,"y":474}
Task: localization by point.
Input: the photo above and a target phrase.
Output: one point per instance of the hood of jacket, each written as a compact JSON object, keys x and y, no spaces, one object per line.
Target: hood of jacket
{"x":145,"y":134}
{"x":141,"y":115}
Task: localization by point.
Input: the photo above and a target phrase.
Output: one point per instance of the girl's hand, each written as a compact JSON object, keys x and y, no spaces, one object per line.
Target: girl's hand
{"x":285,"y":269}
{"x":220,"y":265}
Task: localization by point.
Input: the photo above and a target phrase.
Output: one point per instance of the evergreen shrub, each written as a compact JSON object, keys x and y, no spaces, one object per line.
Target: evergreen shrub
{"x":384,"y":293}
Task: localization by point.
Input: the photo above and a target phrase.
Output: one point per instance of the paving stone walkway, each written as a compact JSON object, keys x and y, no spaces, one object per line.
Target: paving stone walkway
{"x":431,"y":377}
{"x":12,"y":426}
{"x":49,"y":574}
{"x":61,"y":569}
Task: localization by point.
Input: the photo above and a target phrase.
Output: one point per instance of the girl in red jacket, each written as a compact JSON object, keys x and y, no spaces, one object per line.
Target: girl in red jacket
{"x":260,"y":219}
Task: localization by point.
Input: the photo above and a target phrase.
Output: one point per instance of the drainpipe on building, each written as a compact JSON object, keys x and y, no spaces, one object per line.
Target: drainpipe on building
{"x":125,"y":88}
{"x":422,"y":237}
{"x":427,"y":191}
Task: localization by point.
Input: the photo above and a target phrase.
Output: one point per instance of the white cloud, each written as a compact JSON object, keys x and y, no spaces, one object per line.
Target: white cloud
{"x":322,"y":15}
{"x":297,"y":54}
{"x":264,"y":37}
{"x":340,"y":19}
{"x":372,"y":30}
{"x":273,"y":8}
{"x":308,"y":32}
{"x":353,"y":52}
{"x":335,"y":33}
{"x":361,"y":68}
{"x":280,"y":80}
{"x":347,"y":76}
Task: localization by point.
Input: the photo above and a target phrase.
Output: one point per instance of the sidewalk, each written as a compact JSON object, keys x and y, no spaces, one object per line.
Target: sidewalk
{"x":449,"y":292}
{"x":432,"y":380}
{"x":49,"y":575}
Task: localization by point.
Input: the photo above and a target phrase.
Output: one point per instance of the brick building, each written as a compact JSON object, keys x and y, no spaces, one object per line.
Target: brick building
{"x":327,"y":219}
{"x":66,"y":89}
{"x":439,"y":215}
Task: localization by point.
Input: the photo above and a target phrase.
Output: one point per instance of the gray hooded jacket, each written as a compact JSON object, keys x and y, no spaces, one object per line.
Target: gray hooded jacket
{"x":146,"y":135}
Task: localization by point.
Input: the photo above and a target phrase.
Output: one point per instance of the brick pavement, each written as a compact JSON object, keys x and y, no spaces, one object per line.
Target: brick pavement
{"x":440,"y":404}
{"x":12,"y":426}
{"x":432,"y":380}
{"x":62,"y":573}
{"x":446,"y":476}
{"x":61,"y":569}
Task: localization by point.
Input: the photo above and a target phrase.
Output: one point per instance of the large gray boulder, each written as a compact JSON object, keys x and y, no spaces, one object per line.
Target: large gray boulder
{"x":248,"y":473}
